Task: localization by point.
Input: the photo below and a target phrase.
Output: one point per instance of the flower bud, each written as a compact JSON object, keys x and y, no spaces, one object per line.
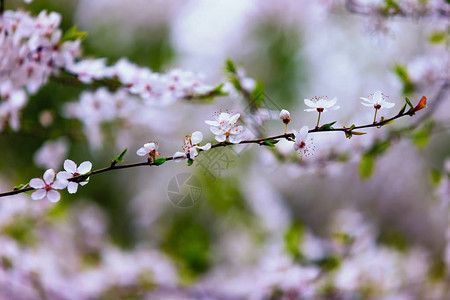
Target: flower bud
{"x":285,"y":116}
{"x":421,"y":105}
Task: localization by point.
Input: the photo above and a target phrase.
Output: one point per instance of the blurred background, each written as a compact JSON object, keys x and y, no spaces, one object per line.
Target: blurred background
{"x":361,"y":218}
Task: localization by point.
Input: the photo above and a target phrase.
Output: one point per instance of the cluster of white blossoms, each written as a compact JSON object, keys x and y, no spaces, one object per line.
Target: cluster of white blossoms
{"x":410,"y":8}
{"x":225,"y":127}
{"x":31,"y":49}
{"x":46,"y":188}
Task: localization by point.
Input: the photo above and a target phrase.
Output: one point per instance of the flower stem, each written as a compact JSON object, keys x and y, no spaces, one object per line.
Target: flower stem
{"x":375,"y":117}
{"x":285,"y":128}
{"x":318,"y":120}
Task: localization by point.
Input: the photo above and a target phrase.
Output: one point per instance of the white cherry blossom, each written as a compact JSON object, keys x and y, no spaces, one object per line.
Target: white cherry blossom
{"x":321,"y":104}
{"x":71,"y":170}
{"x":191,"y":146}
{"x":303,"y":143}
{"x":45,"y":188}
{"x":225,"y":126}
{"x":377,"y":101}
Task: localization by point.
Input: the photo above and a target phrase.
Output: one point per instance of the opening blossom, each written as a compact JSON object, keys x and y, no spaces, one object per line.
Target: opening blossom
{"x":150,"y":150}
{"x":191,"y":146}
{"x":45,"y":189}
{"x":378,"y":101}
{"x":71,"y":170}
{"x":303,"y":143}
{"x":225,"y":126}
{"x":285,"y":116}
{"x":321,"y":104}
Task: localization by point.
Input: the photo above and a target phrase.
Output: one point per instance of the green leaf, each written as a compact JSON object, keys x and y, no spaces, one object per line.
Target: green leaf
{"x":437,"y":37}
{"x":402,"y":74}
{"x":230,"y":67}
{"x":409,"y":102}
{"x":190,"y":162}
{"x":257,"y":95}
{"x":160,"y":161}
{"x":20,"y":186}
{"x":119,"y":158}
{"x":358,"y":133}
{"x":72,"y":34}
{"x":402,"y":110}
{"x":217,"y":91}
{"x":352,"y":127}
{"x":328,"y":126}
{"x":435,"y":176}
{"x":348,"y":134}
{"x":329,"y":263}
{"x":270,"y":143}
{"x":420,"y":138}
{"x":366,"y":166}
{"x":292,"y":238}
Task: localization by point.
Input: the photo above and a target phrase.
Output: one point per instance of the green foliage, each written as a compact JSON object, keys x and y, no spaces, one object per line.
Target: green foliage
{"x":329,"y":263}
{"x":409,"y":102}
{"x":437,"y":270}
{"x":366,"y":165}
{"x":160,"y":161}
{"x":230,"y":67}
{"x":438,"y":37}
{"x":257,"y":95}
{"x":188,"y":242}
{"x":72,"y":34}
{"x":190,"y":162}
{"x":328,"y":126}
{"x":402,"y":73}
{"x":20,"y":186}
{"x":420,"y":138}
{"x":270,"y":143}
{"x":21,"y":230}
{"x":435,"y":177}
{"x":119,"y":158}
{"x":394,"y":238}
{"x":292,"y":239}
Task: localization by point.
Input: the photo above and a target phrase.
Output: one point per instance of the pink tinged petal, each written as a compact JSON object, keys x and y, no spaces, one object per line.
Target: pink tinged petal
{"x":216,"y":131}
{"x":221,"y":138}
{"x":234,"y":118}
{"x":367,"y":104}
{"x":72,"y":187}
{"x":310,"y":109}
{"x":303,"y":133}
{"x":235,"y":139}
{"x":53,"y":196}
{"x":196,"y":137}
{"x":85,"y":167}
{"x":224,"y":117}
{"x":212,"y":123}
{"x":37,"y":183}
{"x":388,"y":104}
{"x":60,"y":184}
{"x":38,"y":195}
{"x":331,"y":102}
{"x":49,"y":176}
{"x":296,"y":146}
{"x":83,"y":183}
{"x":205,"y":147}
{"x":70,"y":166}
{"x":310,"y":103}
{"x":141,"y":152}
{"x":64,"y":175}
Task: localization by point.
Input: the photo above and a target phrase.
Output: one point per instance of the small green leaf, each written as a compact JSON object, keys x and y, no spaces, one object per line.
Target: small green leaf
{"x":435,"y":176}
{"x":270,"y":143}
{"x":328,"y":126}
{"x":348,"y":134}
{"x":20,"y":186}
{"x":72,"y":34}
{"x":409,"y":102}
{"x":190,"y":162}
{"x":217,"y":91}
{"x":402,"y":110}
{"x":230,"y":66}
{"x":119,"y":158}
{"x":292,"y":238}
{"x":358,"y":133}
{"x":352,"y":127}
{"x":160,"y":161}
{"x":402,"y":73}
{"x":437,"y":37}
{"x":366,"y":166}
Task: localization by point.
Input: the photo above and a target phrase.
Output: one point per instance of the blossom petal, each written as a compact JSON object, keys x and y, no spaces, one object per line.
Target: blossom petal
{"x":53,"y":196}
{"x":72,"y":187}
{"x":60,"y":184}
{"x":377,"y":97}
{"x":83,"y":183}
{"x":366,"y":99}
{"x":37,"y":183}
{"x":235,"y":139}
{"x":310,"y":109}
{"x":149,"y":147}
{"x":49,"y":176}
{"x":331,"y":103}
{"x":216,"y":131}
{"x":63,"y":175}
{"x":221,"y":138}
{"x":196,"y":137}
{"x":310,"y":103}
{"x":39,"y":194}
{"x":141,"y":152}
{"x":85,"y":167}
{"x":303,"y":133}
{"x":234,"y":118}
{"x":205,"y":147}
{"x":224,"y":116}
{"x":388,"y":104}
{"x":212,"y":123}
{"x":179,"y":156}
{"x":193,"y":152}
{"x":367,"y":104}
{"x":70,"y":166}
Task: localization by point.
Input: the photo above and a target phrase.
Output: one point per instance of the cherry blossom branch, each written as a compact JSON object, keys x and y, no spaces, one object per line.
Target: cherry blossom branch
{"x":266,"y":141}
